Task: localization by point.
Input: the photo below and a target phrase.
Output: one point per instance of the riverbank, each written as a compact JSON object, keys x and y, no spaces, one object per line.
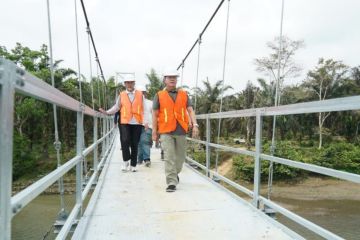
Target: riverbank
{"x":69,"y":186}
{"x":310,"y":188}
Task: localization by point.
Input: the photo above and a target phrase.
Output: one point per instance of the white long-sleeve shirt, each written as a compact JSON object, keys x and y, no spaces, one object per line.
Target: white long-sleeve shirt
{"x":148,"y":112}
{"x":133,"y":120}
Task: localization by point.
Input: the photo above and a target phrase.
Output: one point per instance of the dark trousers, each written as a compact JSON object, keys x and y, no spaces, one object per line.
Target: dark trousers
{"x":129,"y":138}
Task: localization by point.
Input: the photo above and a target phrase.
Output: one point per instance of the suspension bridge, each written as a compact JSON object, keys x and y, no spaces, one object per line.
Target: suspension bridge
{"x":135,"y":205}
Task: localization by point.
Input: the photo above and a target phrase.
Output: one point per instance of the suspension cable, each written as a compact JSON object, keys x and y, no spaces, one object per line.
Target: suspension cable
{"x":98,"y":84}
{"x":94,"y":47}
{"x":78,"y":51}
{"x":223,"y":81}
{"x":277,"y":97}
{"x":197,"y":73}
{"x":202,"y":32}
{"x":90,"y":65}
{"x":57,"y":143}
{"x":182,"y":75}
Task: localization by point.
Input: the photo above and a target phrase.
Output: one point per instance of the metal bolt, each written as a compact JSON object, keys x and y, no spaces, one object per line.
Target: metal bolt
{"x":20,"y":71}
{"x":57,"y":145}
{"x":82,"y":107}
{"x":16,"y":208}
{"x":20,"y":81}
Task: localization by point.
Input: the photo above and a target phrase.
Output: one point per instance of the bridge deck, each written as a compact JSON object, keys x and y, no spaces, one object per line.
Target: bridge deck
{"x":136,"y":206}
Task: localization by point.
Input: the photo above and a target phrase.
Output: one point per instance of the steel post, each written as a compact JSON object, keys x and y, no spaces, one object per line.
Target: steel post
{"x":103,"y":145}
{"x":8,"y":77}
{"x":79,"y":148}
{"x":208,"y":152}
{"x":257,"y":170}
{"x":95,"y":159}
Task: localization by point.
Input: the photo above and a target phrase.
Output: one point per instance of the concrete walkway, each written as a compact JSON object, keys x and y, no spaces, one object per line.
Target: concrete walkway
{"x":135,"y":206}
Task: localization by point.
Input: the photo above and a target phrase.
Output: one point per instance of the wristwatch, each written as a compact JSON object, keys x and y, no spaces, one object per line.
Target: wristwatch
{"x":196,"y":125}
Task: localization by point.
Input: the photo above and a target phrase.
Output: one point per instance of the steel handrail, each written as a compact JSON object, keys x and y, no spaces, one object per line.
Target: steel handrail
{"x":330,"y":105}
{"x":14,"y":79}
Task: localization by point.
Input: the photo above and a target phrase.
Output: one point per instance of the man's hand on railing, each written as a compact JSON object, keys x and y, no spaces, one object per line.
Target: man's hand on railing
{"x":102,"y":111}
{"x":195,"y":131}
{"x":154,"y":135}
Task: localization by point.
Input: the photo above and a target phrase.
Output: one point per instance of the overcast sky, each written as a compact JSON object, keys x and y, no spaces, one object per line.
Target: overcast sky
{"x":137,"y":35}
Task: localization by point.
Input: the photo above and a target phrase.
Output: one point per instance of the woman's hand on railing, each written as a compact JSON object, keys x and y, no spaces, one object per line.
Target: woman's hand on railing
{"x":102,"y":111}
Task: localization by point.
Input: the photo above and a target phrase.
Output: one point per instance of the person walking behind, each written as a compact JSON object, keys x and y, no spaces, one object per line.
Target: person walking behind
{"x":171,"y":111}
{"x":146,"y":133}
{"x":131,"y":105}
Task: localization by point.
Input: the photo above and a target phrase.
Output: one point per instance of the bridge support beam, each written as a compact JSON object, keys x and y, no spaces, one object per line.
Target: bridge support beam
{"x":79,"y":149}
{"x":257,"y":171}
{"x":9,"y":76}
{"x":95,"y":157}
{"x":208,"y":147}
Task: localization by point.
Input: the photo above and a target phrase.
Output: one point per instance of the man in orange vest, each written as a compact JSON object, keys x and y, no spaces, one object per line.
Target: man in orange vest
{"x":131,"y":105}
{"x":172,"y":109}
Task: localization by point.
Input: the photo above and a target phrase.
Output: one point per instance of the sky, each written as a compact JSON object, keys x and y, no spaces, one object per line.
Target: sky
{"x":137,"y":35}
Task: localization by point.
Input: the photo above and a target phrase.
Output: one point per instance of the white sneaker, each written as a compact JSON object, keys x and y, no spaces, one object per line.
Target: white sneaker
{"x":133,"y":169}
{"x":125,"y":166}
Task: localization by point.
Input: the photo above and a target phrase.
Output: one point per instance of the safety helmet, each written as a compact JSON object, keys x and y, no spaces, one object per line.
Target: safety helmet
{"x":172,"y":73}
{"x":129,"y":78}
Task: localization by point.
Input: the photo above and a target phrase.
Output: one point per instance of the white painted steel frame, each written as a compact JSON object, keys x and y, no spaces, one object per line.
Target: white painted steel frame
{"x":13,"y":79}
{"x":8,"y":78}
{"x":331,"y":105}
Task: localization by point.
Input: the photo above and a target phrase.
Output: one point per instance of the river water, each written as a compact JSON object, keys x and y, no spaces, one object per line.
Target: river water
{"x":339,"y":216}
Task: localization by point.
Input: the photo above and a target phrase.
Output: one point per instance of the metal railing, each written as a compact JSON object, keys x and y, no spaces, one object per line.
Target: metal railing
{"x":338,"y":104}
{"x":13,"y":79}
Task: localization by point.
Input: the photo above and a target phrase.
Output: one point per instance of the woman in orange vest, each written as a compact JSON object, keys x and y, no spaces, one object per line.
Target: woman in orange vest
{"x":131,"y":120}
{"x":173,"y":114}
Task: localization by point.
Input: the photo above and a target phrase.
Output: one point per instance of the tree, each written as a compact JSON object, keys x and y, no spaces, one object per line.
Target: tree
{"x":288,"y":67}
{"x":323,"y":82}
{"x":155,"y":83}
{"x":208,"y":101}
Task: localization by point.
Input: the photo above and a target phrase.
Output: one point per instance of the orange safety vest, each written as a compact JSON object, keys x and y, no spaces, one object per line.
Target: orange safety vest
{"x":171,"y":112}
{"x":130,"y":109}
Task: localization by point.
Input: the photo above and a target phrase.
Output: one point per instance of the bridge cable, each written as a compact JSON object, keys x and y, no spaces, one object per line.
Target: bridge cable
{"x":84,"y":162}
{"x":94,"y":47}
{"x":57,"y":144}
{"x":99,"y":95}
{"x":277,"y":102}
{"x":223,"y":82}
{"x":78,"y":52}
{"x":182,"y":75}
{"x":90,"y":65}
{"x":197,"y":72}
{"x":202,"y":32}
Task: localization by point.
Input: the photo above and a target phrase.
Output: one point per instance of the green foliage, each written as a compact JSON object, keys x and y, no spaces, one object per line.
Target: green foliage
{"x":23,"y":157}
{"x":341,"y":156}
{"x":155,"y":84}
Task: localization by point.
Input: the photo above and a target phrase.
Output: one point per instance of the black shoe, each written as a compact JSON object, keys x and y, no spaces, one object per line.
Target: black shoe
{"x":147,"y":163}
{"x":171,"y":188}
{"x":178,"y":178}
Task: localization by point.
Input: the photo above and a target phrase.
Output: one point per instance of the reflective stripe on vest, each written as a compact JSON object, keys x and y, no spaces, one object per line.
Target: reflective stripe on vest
{"x":129,"y":109}
{"x":171,"y":112}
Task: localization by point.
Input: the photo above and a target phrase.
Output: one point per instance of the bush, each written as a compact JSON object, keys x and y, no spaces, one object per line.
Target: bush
{"x":244,"y":165}
{"x":341,"y":156}
{"x":200,"y":157}
{"x":23,"y":157}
